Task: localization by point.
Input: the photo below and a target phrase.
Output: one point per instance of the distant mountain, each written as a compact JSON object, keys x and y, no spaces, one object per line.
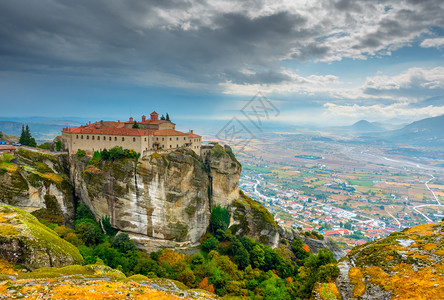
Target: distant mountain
{"x":426,"y":132}
{"x":359,"y":127}
{"x":366,"y":126}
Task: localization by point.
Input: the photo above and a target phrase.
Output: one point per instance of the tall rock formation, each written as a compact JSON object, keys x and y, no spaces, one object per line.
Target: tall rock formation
{"x":163,"y":200}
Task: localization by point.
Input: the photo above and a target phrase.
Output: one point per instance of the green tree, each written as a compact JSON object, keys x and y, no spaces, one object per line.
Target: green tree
{"x":123,"y":243}
{"x":59,"y":145}
{"x":1,"y":135}
{"x":258,"y":256}
{"x":135,"y":125}
{"x":167,"y":117}
{"x":220,"y":220}
{"x":162,"y":117}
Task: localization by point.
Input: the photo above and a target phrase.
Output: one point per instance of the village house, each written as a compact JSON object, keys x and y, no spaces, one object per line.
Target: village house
{"x":151,"y":135}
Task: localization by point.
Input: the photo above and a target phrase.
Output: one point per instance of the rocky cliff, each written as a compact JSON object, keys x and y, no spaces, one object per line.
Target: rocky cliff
{"x":404,"y":265}
{"x":163,"y":200}
{"x":38,"y":182}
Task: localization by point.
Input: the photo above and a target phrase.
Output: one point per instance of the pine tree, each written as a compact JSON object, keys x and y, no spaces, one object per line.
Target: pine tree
{"x":167,"y":117}
{"x":162,"y":117}
{"x":135,"y":125}
{"x":28,"y":136}
{"x":22,"y":136}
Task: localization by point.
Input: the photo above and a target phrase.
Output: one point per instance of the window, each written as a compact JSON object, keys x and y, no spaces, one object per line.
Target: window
{"x":171,"y":146}
{"x":110,"y":138}
{"x":123,"y":139}
{"x":98,"y":138}
{"x":163,"y":146}
{"x":77,"y":136}
{"x":104,"y":138}
{"x":134,"y":139}
{"x":93,"y":138}
{"x":162,"y":139}
{"x":145,"y":139}
{"x":177,"y":146}
{"x":171,"y":139}
{"x":115,"y":138}
{"x":177,"y":139}
{"x":87,"y":137}
{"x":184,"y":139}
{"x":157,"y":139}
{"x":81,"y":137}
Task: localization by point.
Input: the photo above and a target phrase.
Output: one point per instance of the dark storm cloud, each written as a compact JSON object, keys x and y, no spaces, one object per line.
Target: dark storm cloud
{"x":197,"y":41}
{"x":116,"y":35}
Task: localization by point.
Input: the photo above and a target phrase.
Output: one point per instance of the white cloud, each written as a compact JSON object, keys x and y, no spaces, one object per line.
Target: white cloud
{"x":414,"y":84}
{"x":433,"y":43}
{"x":379,"y":112}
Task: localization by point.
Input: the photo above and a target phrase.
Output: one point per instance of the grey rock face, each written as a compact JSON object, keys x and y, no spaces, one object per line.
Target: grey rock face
{"x":161,"y":201}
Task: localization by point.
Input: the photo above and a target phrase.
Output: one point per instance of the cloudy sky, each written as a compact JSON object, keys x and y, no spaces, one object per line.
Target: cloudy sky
{"x":323,"y":62}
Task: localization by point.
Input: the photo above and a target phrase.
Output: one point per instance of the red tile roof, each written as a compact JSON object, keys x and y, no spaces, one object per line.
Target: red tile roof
{"x":108,"y":131}
{"x":168,"y":132}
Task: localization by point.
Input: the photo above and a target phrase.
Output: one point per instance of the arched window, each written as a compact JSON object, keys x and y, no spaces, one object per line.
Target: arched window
{"x":93,"y":138}
{"x":171,"y":146}
{"x":104,"y":138}
{"x":123,"y":139}
{"x":81,"y":137}
{"x":110,"y":139}
{"x":115,"y":138}
{"x":87,"y":137}
{"x":177,"y":138}
{"x":134,"y":139}
{"x":98,"y":138}
{"x":77,"y":136}
{"x":177,"y":146}
{"x":171,"y":139}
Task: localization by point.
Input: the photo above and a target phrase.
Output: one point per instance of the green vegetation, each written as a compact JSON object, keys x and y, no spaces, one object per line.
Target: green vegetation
{"x":135,"y":125}
{"x":26,"y":138}
{"x":80,"y":153}
{"x":59,"y":145}
{"x":228,"y":265}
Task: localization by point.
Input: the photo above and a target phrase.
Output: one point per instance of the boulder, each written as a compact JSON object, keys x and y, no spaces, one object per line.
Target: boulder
{"x":27,"y":242}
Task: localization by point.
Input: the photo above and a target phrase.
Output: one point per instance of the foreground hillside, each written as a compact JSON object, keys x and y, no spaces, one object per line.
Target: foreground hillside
{"x":405,"y":265}
{"x":90,"y":282}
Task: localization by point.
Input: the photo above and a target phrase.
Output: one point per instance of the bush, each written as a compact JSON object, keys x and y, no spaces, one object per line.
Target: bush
{"x":81,"y":153}
{"x":59,"y":145}
{"x":123,"y":243}
{"x":220,"y":220}
{"x":210,"y":244}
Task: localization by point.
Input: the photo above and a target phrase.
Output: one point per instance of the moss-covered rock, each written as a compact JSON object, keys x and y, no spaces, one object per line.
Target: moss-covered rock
{"x":404,"y":265}
{"x":37,"y":175}
{"x":25,"y":241}
{"x":251,"y":218}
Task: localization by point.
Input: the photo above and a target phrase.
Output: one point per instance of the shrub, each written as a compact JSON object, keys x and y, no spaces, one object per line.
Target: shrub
{"x":123,"y":243}
{"x":59,"y":145}
{"x":220,"y":220}
{"x":81,"y":153}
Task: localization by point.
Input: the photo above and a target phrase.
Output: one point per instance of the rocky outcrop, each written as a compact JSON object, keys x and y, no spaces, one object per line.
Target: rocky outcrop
{"x":38,"y":182}
{"x":224,"y":176}
{"x":250,"y":218}
{"x":27,"y":242}
{"x":404,"y":265}
{"x":163,"y":200}
{"x":315,"y":243}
